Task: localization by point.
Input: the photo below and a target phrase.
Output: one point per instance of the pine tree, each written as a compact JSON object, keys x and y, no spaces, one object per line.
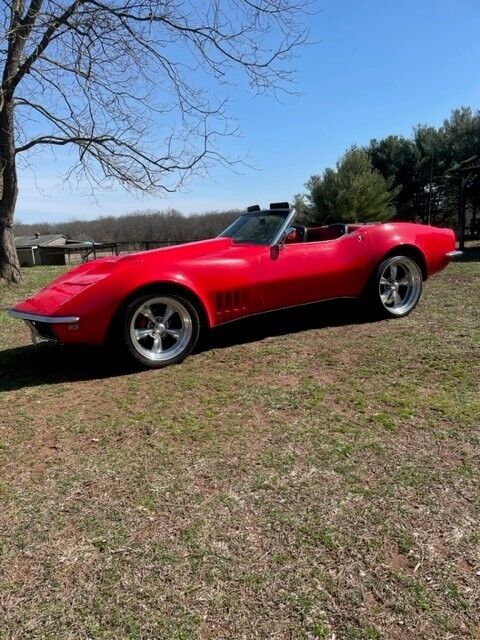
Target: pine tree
{"x":353,"y":192}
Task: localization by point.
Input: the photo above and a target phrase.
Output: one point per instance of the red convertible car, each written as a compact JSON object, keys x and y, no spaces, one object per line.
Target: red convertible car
{"x":155,"y":303}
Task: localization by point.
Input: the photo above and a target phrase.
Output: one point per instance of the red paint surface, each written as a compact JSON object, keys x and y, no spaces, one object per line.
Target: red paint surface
{"x":233,"y":280}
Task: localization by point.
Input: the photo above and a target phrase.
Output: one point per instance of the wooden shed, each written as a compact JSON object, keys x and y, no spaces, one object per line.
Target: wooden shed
{"x":33,"y":250}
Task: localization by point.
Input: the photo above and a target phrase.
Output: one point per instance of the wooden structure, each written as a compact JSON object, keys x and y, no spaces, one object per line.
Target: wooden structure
{"x":37,"y":249}
{"x":468,"y":173}
{"x":53,"y":249}
{"x":84,"y":250}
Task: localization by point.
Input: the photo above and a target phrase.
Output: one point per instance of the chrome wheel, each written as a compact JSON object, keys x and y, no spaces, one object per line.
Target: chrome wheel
{"x":400,"y":285}
{"x":161,"y":329}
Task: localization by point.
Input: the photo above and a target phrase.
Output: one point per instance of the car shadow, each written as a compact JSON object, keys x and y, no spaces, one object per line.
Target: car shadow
{"x":48,"y":363}
{"x":471,"y":254}
{"x":287,"y":321}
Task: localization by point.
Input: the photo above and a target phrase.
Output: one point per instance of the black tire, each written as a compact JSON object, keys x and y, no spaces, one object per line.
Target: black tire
{"x":149,"y":339}
{"x":395,"y":287}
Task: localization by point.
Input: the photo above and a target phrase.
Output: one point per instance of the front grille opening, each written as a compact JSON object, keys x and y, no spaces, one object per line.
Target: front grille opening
{"x":44,"y":330}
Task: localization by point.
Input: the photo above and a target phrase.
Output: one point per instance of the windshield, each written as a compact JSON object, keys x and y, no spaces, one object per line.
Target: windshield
{"x":261,"y":227}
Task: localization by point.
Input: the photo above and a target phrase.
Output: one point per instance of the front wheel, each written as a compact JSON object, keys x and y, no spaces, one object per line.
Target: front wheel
{"x":159,"y":330}
{"x":396,"y":287}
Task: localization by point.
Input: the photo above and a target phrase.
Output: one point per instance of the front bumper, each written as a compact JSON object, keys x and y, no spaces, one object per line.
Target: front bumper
{"x":40,"y":326}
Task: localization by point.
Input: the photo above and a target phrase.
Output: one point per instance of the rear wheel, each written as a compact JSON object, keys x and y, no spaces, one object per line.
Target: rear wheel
{"x":396,"y":288}
{"x":159,"y":330}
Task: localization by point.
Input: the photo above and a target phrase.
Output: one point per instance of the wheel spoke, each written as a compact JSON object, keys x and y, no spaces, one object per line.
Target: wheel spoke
{"x":147,"y":312}
{"x":169,"y":311}
{"x":142,"y":333}
{"x":161,"y":330}
{"x":157,"y":345}
{"x":177,"y":334}
{"x":399,"y":285}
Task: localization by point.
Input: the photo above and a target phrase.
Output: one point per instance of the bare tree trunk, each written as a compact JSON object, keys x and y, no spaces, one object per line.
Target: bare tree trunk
{"x":9,"y":264}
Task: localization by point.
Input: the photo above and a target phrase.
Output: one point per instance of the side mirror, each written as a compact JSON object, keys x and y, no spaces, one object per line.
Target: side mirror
{"x":275,"y":251}
{"x":290,"y":232}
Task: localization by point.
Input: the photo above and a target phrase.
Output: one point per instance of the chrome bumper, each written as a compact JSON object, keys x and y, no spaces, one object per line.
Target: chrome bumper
{"x":454,"y":254}
{"x":31,"y":320}
{"x":33,"y":317}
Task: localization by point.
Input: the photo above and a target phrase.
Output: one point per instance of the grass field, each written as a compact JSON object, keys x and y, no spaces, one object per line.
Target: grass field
{"x":302,"y":475}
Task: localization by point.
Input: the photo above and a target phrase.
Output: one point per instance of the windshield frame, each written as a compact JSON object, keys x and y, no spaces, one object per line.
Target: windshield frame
{"x":278,"y":236}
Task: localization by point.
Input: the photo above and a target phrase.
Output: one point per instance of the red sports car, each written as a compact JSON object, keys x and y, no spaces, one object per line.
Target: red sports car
{"x":155,"y":303}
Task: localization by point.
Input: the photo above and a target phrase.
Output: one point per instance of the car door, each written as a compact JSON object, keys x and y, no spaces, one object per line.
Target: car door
{"x":309,"y":271}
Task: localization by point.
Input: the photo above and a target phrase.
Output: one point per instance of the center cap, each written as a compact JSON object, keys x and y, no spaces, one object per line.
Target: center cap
{"x":161,"y":327}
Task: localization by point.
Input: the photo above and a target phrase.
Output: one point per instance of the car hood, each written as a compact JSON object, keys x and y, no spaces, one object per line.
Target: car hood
{"x":51,"y":300}
{"x":187,"y":251}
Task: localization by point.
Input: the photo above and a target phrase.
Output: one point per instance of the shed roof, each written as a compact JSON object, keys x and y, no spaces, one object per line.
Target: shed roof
{"x":36,"y":240}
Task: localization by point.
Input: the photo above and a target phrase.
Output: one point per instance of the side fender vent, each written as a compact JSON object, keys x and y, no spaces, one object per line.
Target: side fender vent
{"x":231,"y":302}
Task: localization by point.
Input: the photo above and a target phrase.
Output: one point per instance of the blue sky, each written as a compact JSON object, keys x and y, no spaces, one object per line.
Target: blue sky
{"x":381,"y":66}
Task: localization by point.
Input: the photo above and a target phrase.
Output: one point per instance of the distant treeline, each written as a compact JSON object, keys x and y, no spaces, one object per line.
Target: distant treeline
{"x":141,"y":226}
{"x":407,"y":178}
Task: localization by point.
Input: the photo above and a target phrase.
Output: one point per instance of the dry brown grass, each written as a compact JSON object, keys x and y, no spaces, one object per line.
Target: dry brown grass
{"x":303,"y":475}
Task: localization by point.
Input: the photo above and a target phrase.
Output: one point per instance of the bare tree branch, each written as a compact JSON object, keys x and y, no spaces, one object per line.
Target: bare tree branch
{"x":139,"y":88}
{"x":46,"y":39}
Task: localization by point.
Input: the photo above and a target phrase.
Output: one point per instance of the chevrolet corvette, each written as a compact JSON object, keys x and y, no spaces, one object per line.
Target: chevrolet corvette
{"x":155,"y":303}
